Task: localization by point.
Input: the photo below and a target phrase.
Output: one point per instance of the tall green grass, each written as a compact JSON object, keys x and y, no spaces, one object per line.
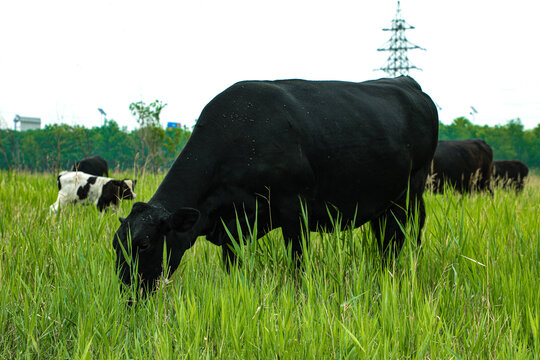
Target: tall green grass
{"x":472,"y":291}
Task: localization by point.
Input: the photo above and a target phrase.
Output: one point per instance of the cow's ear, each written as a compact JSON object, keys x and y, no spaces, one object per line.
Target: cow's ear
{"x":184,"y":219}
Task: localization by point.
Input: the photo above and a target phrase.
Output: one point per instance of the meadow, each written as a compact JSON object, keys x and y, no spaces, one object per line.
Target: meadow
{"x":472,"y":290}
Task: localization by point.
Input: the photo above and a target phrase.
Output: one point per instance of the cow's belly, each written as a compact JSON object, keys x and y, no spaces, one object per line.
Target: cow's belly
{"x":358,"y":195}
{"x":360,"y":204}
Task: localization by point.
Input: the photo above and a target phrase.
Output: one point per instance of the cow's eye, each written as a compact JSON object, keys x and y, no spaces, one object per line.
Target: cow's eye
{"x":145,"y":244}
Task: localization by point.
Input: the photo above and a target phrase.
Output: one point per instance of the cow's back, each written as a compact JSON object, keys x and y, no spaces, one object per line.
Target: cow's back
{"x":369,"y":119}
{"x":95,"y":165}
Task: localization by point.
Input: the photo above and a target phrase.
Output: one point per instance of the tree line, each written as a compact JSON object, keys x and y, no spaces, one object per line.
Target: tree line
{"x":151,"y":148}
{"x":58,"y":147}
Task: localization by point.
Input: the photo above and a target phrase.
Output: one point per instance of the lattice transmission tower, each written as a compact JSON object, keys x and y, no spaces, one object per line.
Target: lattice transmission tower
{"x":398,"y":61}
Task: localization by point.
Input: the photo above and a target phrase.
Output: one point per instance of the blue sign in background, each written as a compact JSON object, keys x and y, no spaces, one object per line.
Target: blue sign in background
{"x":174,"y":125}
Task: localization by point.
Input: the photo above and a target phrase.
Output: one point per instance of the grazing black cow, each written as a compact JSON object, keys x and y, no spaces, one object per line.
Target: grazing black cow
{"x":78,"y":187}
{"x":261,"y":149}
{"x":95,"y":165}
{"x":510,"y":174}
{"x":463,"y":164}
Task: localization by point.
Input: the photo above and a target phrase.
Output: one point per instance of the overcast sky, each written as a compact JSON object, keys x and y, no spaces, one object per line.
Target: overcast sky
{"x":61,"y":60}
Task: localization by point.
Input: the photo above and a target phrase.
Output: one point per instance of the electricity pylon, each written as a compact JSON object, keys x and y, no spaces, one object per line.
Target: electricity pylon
{"x":398,"y":62}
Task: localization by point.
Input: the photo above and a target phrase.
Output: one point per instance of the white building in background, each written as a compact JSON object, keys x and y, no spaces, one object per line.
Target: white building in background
{"x":27,"y":123}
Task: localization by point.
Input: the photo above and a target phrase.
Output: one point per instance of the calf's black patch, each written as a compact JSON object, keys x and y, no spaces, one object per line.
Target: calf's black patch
{"x":109,"y":195}
{"x":82,"y":191}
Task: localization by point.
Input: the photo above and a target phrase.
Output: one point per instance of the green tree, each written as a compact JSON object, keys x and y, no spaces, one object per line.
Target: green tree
{"x":461,"y":128}
{"x":7,"y":160}
{"x":151,"y":133}
{"x":82,"y":135}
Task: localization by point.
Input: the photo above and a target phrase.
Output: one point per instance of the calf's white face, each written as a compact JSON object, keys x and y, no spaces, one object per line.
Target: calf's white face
{"x":131,"y":187}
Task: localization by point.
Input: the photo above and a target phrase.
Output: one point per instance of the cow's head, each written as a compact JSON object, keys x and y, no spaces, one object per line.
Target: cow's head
{"x":126,"y":189}
{"x":139,"y":242}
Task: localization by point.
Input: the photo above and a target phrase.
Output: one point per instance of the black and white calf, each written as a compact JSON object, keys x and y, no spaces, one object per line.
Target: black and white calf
{"x":78,"y":187}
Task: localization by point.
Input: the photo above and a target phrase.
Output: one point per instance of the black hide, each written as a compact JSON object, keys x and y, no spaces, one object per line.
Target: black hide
{"x":510,"y":174}
{"x":463,"y":164}
{"x":94,"y":165}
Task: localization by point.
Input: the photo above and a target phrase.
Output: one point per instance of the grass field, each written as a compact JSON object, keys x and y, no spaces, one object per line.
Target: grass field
{"x":472,"y":292}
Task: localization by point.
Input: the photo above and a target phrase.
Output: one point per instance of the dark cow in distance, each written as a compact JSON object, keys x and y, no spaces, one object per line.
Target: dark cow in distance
{"x":95,"y":165}
{"x":510,"y":174}
{"x":78,"y":187}
{"x":464,"y":165}
{"x":265,"y":149}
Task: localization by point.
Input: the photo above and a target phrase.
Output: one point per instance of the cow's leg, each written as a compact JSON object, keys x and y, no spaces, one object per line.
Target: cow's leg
{"x":289,"y":216}
{"x":389,"y":227}
{"x":61,"y":201}
{"x":228,"y":256}
{"x":293,"y":238}
{"x":519,"y":184}
{"x":246,"y":221}
{"x":53,"y":209}
{"x":484,"y":175}
{"x":388,"y":232}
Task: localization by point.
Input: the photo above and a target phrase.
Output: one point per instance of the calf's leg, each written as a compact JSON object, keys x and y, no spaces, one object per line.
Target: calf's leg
{"x":61,"y":201}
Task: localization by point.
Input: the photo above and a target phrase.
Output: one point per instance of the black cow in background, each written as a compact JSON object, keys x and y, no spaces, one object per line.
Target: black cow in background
{"x":266,"y":150}
{"x":510,"y":174}
{"x":463,"y":164}
{"x":95,"y":165}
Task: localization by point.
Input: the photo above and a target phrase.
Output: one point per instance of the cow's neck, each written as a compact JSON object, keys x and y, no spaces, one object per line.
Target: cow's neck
{"x":187,"y":181}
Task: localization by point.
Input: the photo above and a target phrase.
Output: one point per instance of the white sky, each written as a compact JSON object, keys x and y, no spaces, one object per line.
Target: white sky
{"x":61,"y":60}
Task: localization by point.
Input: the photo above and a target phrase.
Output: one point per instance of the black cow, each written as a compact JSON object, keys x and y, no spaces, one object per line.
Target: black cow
{"x":265,"y":149}
{"x":95,"y":165}
{"x":463,"y":164}
{"x":510,"y":174}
